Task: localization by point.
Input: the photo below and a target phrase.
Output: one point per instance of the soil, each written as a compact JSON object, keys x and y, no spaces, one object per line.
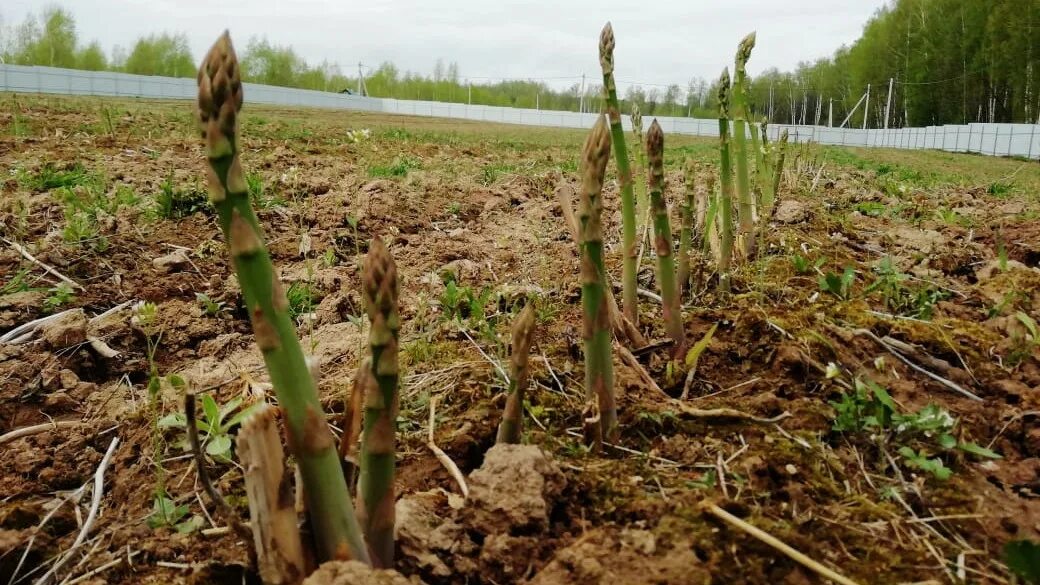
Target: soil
{"x":473,"y":204}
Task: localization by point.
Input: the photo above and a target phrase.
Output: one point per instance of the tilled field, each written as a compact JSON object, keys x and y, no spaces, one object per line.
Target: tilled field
{"x":883,"y":346}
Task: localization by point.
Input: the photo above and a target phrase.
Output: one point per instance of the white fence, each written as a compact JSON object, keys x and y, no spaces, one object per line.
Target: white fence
{"x":1021,"y":140}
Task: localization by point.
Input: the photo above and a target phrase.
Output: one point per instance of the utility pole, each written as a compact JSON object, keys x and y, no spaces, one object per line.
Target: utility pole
{"x":360,"y":80}
{"x":537,"y":99}
{"x":888,"y":105}
{"x":469,"y":90}
{"x":866,"y":108}
{"x":830,"y":114}
{"x":581,"y":98}
{"x":770,"y":102}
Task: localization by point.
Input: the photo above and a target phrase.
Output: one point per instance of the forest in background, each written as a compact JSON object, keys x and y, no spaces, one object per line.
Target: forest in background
{"x":949,"y":61}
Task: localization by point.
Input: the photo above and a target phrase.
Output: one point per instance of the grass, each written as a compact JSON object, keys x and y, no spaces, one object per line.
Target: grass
{"x":398,"y":168}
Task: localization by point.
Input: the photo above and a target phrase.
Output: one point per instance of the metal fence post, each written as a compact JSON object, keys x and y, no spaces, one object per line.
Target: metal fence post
{"x":1032,"y":137}
{"x":1010,"y":140}
{"x":996,"y":137}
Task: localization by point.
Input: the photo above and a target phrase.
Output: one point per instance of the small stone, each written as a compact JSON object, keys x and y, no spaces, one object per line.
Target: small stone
{"x":355,"y":573}
{"x":791,"y":211}
{"x":69,"y":379}
{"x":173,"y":262}
{"x":791,"y":469}
{"x":59,"y":402}
{"x":642,"y":541}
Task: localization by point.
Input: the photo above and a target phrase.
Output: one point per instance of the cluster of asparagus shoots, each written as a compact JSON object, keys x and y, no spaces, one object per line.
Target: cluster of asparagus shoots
{"x":754,"y":191}
{"x":338,"y":531}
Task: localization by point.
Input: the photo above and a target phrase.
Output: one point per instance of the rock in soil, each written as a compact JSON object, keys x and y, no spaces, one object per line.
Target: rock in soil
{"x":429,"y":541}
{"x":598,"y":558}
{"x":356,"y":573}
{"x":68,"y":329}
{"x":791,"y":211}
{"x":513,"y":490}
{"x":173,"y":262}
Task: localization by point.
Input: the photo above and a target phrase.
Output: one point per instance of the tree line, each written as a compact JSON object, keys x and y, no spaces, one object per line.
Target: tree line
{"x":50,"y":38}
{"x":948,"y":61}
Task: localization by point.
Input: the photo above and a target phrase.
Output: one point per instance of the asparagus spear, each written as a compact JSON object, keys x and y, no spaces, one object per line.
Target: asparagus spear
{"x":639,"y":178}
{"x":599,"y":369}
{"x":746,"y":238}
{"x":724,"y":213}
{"x":778,"y":169}
{"x":628,"y":206}
{"x":686,"y":225}
{"x":336,"y":531}
{"x":376,"y":484}
{"x":509,"y":431}
{"x":663,"y":239}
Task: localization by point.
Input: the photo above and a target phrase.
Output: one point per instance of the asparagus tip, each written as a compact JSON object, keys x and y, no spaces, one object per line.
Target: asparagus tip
{"x":597,"y":147}
{"x":606,"y":48}
{"x":724,"y":87}
{"x":654,"y":140}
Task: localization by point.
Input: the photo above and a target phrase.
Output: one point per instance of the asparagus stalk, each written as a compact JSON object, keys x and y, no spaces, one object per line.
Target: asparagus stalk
{"x":686,"y":225}
{"x":778,"y":169}
{"x":663,"y":239}
{"x":336,"y":531}
{"x":639,"y":179}
{"x":512,"y":426}
{"x":599,"y":372}
{"x":746,"y":238}
{"x":376,"y":484}
{"x":628,"y":207}
{"x":724,"y":213}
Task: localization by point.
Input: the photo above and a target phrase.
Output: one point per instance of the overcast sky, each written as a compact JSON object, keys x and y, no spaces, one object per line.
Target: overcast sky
{"x":493,"y":38}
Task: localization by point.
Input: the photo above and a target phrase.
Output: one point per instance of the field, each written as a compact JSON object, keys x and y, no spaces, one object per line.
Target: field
{"x":911,"y":272}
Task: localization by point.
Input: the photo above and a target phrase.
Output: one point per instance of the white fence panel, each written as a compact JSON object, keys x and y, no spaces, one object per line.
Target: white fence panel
{"x":991,"y":139}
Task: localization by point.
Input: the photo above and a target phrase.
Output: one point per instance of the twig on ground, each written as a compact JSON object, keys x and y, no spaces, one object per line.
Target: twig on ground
{"x":441,"y":456}
{"x":630,"y":360}
{"x":23,"y":332}
{"x":733,"y":387}
{"x":102,"y":568}
{"x":779,"y":545}
{"x":1018,"y":416}
{"x":95,"y":504}
{"x":497,"y":366}
{"x":40,"y":428}
{"x":951,"y":385}
{"x":25,"y":253}
{"x":633,"y":451}
{"x":687,"y":410}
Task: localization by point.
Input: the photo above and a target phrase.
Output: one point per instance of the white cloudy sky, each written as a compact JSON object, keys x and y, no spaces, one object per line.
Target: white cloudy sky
{"x":493,"y":38}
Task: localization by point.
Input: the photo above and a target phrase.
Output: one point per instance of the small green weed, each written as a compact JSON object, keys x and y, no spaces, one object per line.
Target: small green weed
{"x":210,"y":307}
{"x":19,"y":282}
{"x":1023,"y":558}
{"x":167,"y":514}
{"x":901,"y":299}
{"x":50,"y":177}
{"x":398,"y":168}
{"x":870,"y":408}
{"x":58,"y":297}
{"x":839,"y":285}
{"x":214,"y":425}
{"x":803,"y":265}
{"x":871,"y":208}
{"x":302,"y":298}
{"x":174,"y":203}
{"x":1000,"y":189}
